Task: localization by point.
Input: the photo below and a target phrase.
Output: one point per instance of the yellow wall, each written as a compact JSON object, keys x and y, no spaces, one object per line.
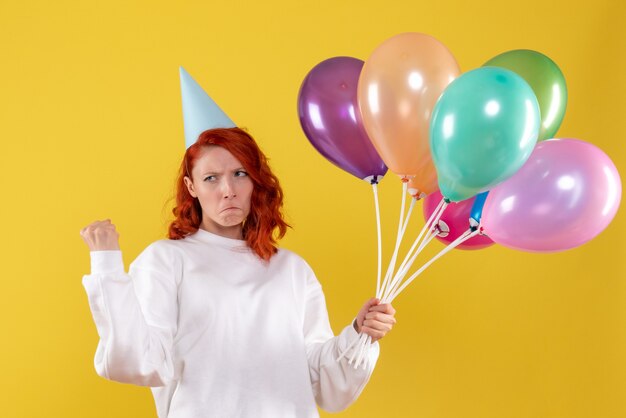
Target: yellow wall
{"x":91,"y":127}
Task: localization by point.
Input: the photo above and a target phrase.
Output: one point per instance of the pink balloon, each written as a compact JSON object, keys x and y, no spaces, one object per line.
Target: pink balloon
{"x":456,"y":217}
{"x":567,"y":193}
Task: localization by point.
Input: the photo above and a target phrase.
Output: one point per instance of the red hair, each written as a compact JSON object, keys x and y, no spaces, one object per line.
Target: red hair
{"x":265,"y":217}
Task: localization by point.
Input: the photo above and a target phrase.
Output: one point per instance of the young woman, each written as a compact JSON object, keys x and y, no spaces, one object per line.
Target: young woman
{"x":216,"y":319}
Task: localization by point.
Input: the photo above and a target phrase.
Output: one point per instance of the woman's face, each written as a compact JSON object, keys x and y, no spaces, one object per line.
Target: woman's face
{"x":223,"y":188}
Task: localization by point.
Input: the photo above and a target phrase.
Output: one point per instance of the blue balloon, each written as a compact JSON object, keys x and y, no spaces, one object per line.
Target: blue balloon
{"x":477,"y":209}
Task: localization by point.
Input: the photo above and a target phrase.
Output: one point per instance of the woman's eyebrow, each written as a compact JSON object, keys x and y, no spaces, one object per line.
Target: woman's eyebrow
{"x":219,"y":172}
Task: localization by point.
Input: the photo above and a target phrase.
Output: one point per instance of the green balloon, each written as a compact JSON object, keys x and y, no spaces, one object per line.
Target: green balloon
{"x":546,"y":80}
{"x":483,"y":129}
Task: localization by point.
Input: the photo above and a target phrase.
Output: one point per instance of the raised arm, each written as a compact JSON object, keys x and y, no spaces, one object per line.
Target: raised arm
{"x":135,"y":313}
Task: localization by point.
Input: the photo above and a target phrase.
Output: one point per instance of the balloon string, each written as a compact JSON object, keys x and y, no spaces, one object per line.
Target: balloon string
{"x":363,"y":347}
{"x":403,"y":221}
{"x":433,"y":219}
{"x":366,"y":353}
{"x":464,"y":237}
{"x":380,"y":256}
{"x":452,"y":245}
{"x":402,"y":225}
{"x":401,"y":274}
{"x":392,"y":262}
{"x":408,"y":216}
{"x":406,"y":222}
{"x":432,"y":233}
{"x":343,"y":354}
{"x":368,"y":347}
{"x":378,"y":276}
{"x":363,"y":343}
{"x":357,"y":350}
{"x":362,"y":350}
{"x":412,"y":255}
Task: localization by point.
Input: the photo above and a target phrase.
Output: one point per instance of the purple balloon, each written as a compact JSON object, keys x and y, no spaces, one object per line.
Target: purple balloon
{"x":565,"y":194}
{"x":330,"y":117}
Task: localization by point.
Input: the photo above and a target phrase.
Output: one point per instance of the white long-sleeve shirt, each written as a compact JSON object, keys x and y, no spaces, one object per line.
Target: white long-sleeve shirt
{"x":217,"y":332}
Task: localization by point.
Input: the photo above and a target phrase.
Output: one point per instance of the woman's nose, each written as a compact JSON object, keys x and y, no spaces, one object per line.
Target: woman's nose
{"x":228,"y":189}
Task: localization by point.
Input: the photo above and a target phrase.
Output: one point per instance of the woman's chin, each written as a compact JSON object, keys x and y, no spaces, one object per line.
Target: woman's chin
{"x":231,"y":221}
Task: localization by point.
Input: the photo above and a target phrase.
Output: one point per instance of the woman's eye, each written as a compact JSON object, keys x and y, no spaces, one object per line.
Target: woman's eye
{"x":209,"y":178}
{"x":241,"y":173}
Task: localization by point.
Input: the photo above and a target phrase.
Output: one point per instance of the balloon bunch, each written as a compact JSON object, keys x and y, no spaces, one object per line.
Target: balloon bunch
{"x":484,"y":138}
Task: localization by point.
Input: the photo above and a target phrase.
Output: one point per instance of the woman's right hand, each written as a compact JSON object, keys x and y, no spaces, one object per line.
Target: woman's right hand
{"x":101,"y":236}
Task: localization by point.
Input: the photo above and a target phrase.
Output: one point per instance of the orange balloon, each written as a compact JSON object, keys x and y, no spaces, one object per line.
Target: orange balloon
{"x":424,"y":181}
{"x":398,"y":88}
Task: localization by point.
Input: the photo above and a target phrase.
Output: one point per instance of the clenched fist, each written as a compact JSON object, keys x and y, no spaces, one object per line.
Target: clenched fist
{"x":101,"y":236}
{"x":375,"y":319}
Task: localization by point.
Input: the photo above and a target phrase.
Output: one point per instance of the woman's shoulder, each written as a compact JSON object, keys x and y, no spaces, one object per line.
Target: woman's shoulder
{"x":162,"y":251}
{"x":293,"y":259}
{"x":287,"y":254}
{"x":162,"y":246}
{"x":301,"y":272}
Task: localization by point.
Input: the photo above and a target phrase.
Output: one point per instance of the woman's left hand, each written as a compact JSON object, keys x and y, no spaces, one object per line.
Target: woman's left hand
{"x":375,"y":320}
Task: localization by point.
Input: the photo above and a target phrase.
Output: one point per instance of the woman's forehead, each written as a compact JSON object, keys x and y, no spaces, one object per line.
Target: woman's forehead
{"x":215,"y":158}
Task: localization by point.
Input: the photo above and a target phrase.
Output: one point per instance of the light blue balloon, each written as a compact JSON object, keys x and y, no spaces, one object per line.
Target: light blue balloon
{"x":483,"y":129}
{"x":200,"y":112}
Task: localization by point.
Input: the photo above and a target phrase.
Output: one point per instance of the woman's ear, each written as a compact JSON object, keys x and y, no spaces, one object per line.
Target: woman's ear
{"x":189,"y":185}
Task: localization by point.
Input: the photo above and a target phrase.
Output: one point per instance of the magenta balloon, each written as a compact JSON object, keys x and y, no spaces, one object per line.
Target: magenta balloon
{"x":565,"y":194}
{"x":331,"y":120}
{"x":456,"y":216}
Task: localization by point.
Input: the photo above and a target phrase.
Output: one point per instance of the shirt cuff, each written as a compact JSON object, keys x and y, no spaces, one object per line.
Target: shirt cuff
{"x":106,"y":262}
{"x":349,"y":336}
{"x":354,"y":326}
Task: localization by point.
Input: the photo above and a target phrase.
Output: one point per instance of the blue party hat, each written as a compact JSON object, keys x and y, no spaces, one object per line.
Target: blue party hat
{"x":200,"y":112}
